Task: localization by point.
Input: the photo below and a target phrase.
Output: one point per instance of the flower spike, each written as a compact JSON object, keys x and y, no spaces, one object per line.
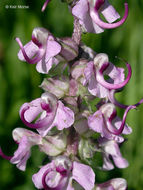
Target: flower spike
{"x":100,"y":78}
{"x":96,"y":18}
{"x":109,"y":125}
{"x":45,"y":5}
{"x":37,"y":57}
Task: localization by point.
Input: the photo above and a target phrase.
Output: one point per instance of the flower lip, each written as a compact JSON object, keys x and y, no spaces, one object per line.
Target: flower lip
{"x":36,"y":58}
{"x":100,"y":78}
{"x":96,"y":18}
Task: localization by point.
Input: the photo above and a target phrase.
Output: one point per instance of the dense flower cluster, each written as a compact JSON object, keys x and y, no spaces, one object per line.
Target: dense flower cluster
{"x":68,"y":128}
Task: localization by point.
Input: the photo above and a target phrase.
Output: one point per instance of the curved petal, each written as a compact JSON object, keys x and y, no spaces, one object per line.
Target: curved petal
{"x":101,"y":80}
{"x":95,"y":17}
{"x":36,"y":58}
{"x":37,"y":178}
{"x":112,"y":129}
{"x":30,"y":48}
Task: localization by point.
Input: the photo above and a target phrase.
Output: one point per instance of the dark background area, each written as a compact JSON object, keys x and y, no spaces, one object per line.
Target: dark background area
{"x":19,"y":81}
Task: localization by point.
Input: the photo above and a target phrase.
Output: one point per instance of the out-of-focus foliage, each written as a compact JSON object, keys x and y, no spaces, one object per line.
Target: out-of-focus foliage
{"x":19,"y":81}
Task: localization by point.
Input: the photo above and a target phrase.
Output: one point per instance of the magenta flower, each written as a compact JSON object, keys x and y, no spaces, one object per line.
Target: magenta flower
{"x":59,"y":175}
{"x":87,"y":11}
{"x":108,"y":124}
{"x":53,"y":113}
{"x":94,"y":75}
{"x":113,"y":184}
{"x":110,"y":150}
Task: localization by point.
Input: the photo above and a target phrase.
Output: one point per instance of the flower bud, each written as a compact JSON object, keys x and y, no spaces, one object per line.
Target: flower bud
{"x":54,"y":145}
{"x":57,"y":87}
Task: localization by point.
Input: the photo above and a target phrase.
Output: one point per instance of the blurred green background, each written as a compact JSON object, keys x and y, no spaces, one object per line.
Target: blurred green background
{"x":19,"y":81}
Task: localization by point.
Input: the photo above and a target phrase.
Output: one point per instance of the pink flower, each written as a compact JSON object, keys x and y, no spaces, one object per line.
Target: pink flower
{"x":108,"y":124}
{"x":94,"y":76}
{"x":59,"y":175}
{"x":43,"y":49}
{"x":53,"y":113}
{"x":26,"y":139}
{"x":110,"y":150}
{"x":87,"y":11}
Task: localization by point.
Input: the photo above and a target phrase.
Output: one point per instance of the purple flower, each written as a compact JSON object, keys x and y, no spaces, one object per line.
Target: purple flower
{"x":113,"y":184}
{"x":59,"y":175}
{"x":110,"y":149}
{"x":53,"y":113}
{"x":50,"y":145}
{"x":87,"y":11}
{"x":25,"y":140}
{"x":108,"y":124}
{"x":43,"y":49}
{"x":94,"y":76}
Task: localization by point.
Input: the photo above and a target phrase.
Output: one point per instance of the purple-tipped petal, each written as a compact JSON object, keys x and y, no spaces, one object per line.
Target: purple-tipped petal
{"x":30,"y":48}
{"x":47,"y":121}
{"x":37,"y":178}
{"x":84,"y":175}
{"x":96,"y":18}
{"x":47,"y":107}
{"x":36,"y":58}
{"x":112,"y":129}
{"x":101,"y":80}
{"x":45,"y":5}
